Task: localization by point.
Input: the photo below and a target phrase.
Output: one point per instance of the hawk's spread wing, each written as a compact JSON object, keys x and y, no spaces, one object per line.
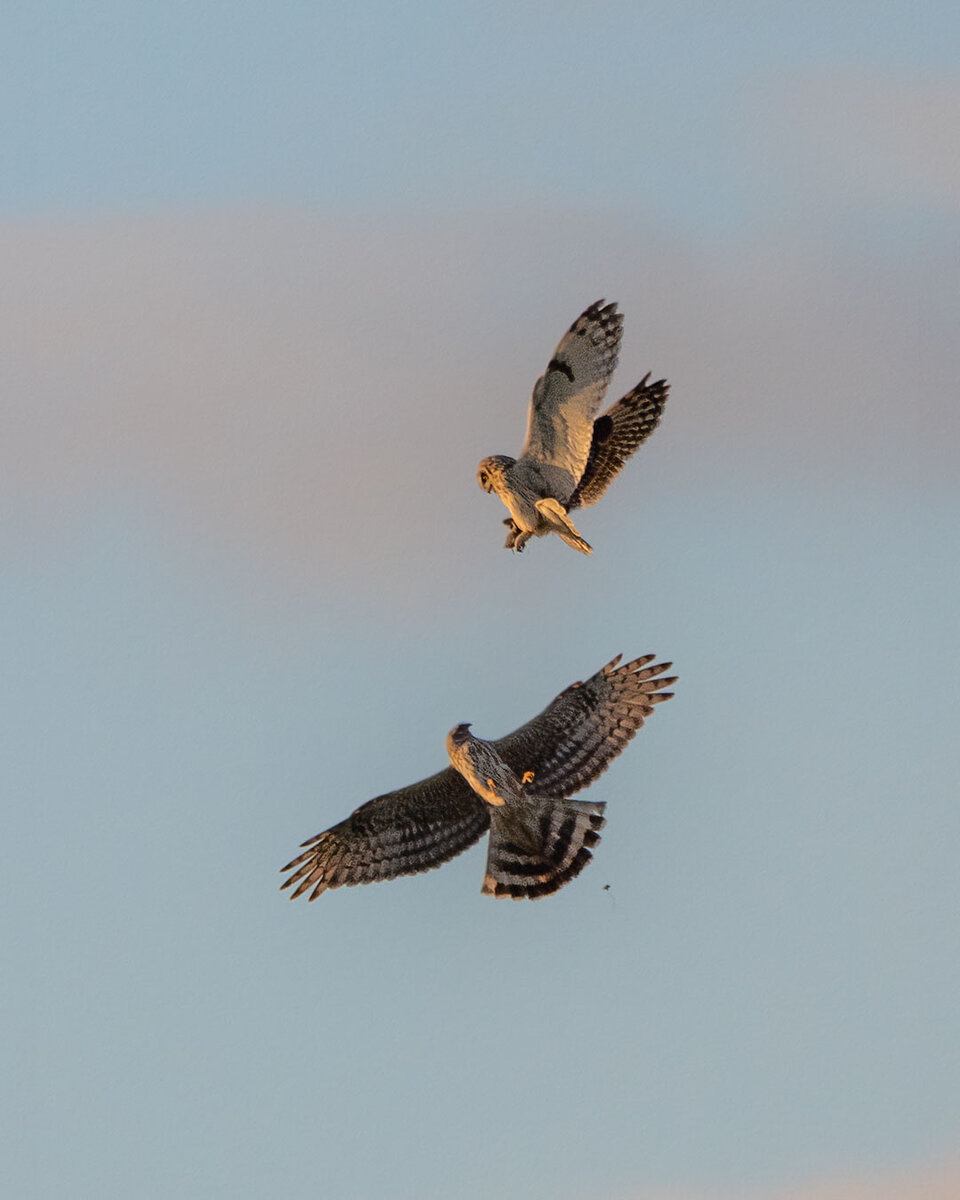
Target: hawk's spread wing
{"x":566,"y":397}
{"x":401,"y":833}
{"x":421,"y":826}
{"x":616,"y":435}
{"x":578,"y":735}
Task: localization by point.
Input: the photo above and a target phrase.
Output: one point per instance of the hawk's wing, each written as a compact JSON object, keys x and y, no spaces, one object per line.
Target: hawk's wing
{"x":566,"y":397}
{"x":401,"y":833}
{"x":616,"y":435}
{"x":578,"y":735}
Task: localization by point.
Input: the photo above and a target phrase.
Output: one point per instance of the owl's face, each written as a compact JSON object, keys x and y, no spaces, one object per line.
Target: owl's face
{"x":490,"y":471}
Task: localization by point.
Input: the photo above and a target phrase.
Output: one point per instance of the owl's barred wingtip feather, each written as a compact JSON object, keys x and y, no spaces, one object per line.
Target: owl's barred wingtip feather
{"x":617,"y":434}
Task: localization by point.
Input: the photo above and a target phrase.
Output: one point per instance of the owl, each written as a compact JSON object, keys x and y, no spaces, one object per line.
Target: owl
{"x":517,"y":788}
{"x":571,"y":455}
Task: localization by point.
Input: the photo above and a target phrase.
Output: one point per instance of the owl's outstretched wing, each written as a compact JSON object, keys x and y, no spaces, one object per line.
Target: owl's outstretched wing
{"x":582,"y":731}
{"x":400,"y":833}
{"x":616,"y":435}
{"x":567,"y":396}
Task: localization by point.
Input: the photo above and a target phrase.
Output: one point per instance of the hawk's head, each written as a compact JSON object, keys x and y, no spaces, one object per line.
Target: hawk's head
{"x":459,"y":735}
{"x":491,"y":470}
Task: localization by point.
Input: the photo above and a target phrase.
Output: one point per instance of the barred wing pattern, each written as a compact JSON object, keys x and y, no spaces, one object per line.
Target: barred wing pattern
{"x":616,"y":435}
{"x":567,"y":746}
{"x":582,"y":731}
{"x":566,"y":397}
{"x":400,"y":833}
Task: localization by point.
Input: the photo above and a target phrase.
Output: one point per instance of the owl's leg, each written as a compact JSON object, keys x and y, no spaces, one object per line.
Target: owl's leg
{"x":521,"y":540}
{"x":512,"y":534}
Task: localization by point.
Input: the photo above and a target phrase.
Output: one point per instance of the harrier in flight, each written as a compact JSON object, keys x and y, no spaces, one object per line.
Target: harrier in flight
{"x":518,"y":788}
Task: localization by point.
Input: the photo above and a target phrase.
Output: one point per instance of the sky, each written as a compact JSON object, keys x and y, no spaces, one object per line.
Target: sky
{"x":276,"y":278}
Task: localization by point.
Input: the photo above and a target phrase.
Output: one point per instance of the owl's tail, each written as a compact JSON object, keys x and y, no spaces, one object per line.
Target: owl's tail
{"x":554,"y":512}
{"x":537,"y":846}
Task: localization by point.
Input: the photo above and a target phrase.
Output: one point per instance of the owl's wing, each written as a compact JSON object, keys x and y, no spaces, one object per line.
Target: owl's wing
{"x":400,"y":833}
{"x":582,"y":731}
{"x":566,"y":397}
{"x":616,"y":435}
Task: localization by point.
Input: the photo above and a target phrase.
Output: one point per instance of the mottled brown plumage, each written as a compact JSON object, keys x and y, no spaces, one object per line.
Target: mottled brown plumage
{"x":616,"y":435}
{"x":538,"y":841}
{"x":571,"y":455}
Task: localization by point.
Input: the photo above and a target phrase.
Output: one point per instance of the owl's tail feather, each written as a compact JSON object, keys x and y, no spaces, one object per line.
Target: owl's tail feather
{"x":539,"y":845}
{"x":577,"y":542}
{"x":554,"y":512}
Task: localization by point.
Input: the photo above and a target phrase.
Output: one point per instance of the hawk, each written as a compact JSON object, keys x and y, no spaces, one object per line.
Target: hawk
{"x":517,"y":788}
{"x":571,"y":456}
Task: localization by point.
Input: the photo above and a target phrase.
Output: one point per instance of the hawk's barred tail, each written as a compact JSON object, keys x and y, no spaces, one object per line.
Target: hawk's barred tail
{"x":549,"y":847}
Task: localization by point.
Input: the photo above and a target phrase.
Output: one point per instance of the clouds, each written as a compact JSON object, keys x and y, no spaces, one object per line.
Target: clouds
{"x":933,"y":1183}
{"x":212,"y":401}
{"x":850,"y":155}
{"x":300,"y":390}
{"x":888,"y":138}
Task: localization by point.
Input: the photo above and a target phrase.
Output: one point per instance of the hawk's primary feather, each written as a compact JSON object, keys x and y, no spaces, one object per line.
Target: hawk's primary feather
{"x":565,"y":748}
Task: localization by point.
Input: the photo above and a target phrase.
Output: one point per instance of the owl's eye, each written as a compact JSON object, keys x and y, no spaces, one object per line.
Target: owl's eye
{"x":483,"y":479}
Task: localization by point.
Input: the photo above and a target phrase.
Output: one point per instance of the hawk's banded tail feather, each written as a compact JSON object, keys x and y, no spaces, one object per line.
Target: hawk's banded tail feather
{"x":537,"y":848}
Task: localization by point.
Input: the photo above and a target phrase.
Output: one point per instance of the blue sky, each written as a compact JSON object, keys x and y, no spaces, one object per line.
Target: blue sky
{"x":276,"y":278}
{"x":432,"y":106}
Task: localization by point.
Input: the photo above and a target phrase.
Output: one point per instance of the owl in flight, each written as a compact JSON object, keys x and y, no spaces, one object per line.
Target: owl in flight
{"x":517,"y":788}
{"x":571,"y":456}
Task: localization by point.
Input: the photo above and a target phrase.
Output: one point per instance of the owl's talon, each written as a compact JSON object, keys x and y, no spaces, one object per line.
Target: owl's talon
{"x":528,"y":777}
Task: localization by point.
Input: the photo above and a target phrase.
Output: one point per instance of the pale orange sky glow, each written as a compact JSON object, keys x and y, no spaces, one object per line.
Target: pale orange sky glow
{"x":924,"y":1183}
{"x":275,"y":278}
{"x":267,"y":379}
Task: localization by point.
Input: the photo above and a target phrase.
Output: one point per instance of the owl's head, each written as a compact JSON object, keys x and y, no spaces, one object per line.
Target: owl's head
{"x":491,"y":470}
